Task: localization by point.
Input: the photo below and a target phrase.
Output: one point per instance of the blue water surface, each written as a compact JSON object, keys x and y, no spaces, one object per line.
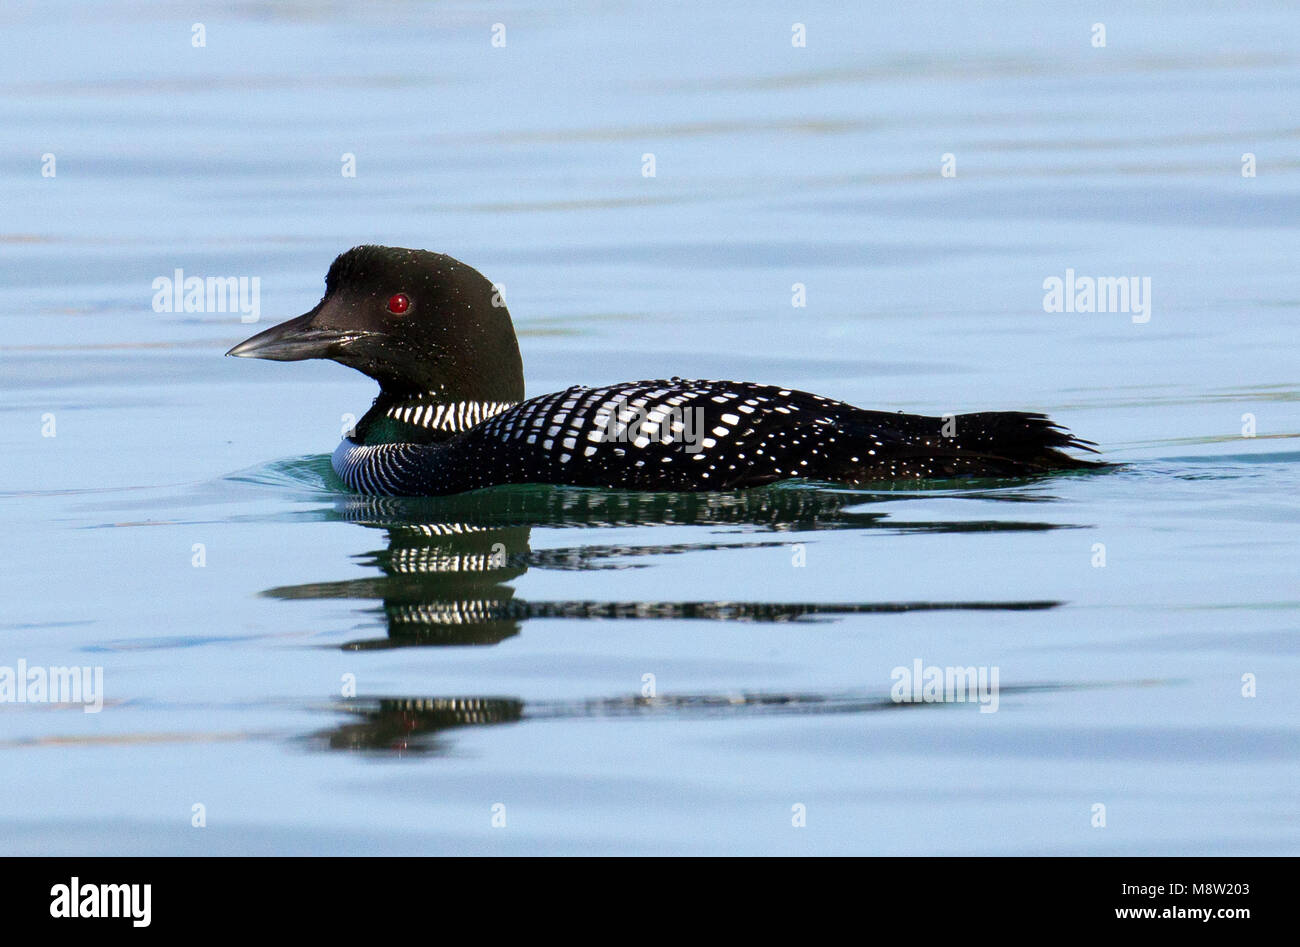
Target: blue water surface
{"x":560,"y":671}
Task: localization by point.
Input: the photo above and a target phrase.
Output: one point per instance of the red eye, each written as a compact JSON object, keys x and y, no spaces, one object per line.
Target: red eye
{"x":399,"y":304}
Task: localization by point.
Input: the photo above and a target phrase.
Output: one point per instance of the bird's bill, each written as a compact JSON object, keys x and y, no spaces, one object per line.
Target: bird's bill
{"x":297,"y":339}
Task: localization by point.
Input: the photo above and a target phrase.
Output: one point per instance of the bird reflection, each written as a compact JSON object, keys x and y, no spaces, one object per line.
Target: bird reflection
{"x":414,"y":725}
{"x":423,"y":725}
{"x":445,"y":574}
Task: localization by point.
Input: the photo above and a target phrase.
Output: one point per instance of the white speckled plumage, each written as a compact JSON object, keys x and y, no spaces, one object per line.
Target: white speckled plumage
{"x":614,"y":436}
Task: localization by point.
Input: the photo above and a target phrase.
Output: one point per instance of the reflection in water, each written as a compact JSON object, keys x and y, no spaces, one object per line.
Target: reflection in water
{"x":417,"y":725}
{"x":444,"y":577}
{"x":410,"y":725}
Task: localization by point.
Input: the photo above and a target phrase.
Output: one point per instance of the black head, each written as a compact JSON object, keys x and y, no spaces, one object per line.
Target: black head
{"x":413,"y":320}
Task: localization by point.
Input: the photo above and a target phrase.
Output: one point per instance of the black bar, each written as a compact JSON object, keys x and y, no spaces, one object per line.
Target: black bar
{"x":331,"y":895}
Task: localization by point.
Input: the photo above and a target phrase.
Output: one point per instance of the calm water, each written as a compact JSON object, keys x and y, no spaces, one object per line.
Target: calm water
{"x":500,"y":643}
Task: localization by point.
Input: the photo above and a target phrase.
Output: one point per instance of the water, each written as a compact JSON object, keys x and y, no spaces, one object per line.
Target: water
{"x":521,"y":680}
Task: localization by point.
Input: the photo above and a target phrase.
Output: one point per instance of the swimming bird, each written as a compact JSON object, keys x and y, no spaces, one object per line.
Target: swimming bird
{"x":451,"y":414}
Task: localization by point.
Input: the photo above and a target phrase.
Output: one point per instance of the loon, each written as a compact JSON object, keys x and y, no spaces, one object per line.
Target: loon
{"x":451,"y":414}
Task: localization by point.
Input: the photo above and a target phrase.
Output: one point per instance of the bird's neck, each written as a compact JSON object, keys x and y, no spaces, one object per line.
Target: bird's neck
{"x":422,"y":417}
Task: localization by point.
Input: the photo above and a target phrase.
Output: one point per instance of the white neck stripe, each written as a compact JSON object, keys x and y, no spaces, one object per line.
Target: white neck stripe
{"x":454,"y":416}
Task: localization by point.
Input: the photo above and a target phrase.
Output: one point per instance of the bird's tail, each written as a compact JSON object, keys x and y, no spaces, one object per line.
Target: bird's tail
{"x":984,"y":444}
{"x":1031,"y":439}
